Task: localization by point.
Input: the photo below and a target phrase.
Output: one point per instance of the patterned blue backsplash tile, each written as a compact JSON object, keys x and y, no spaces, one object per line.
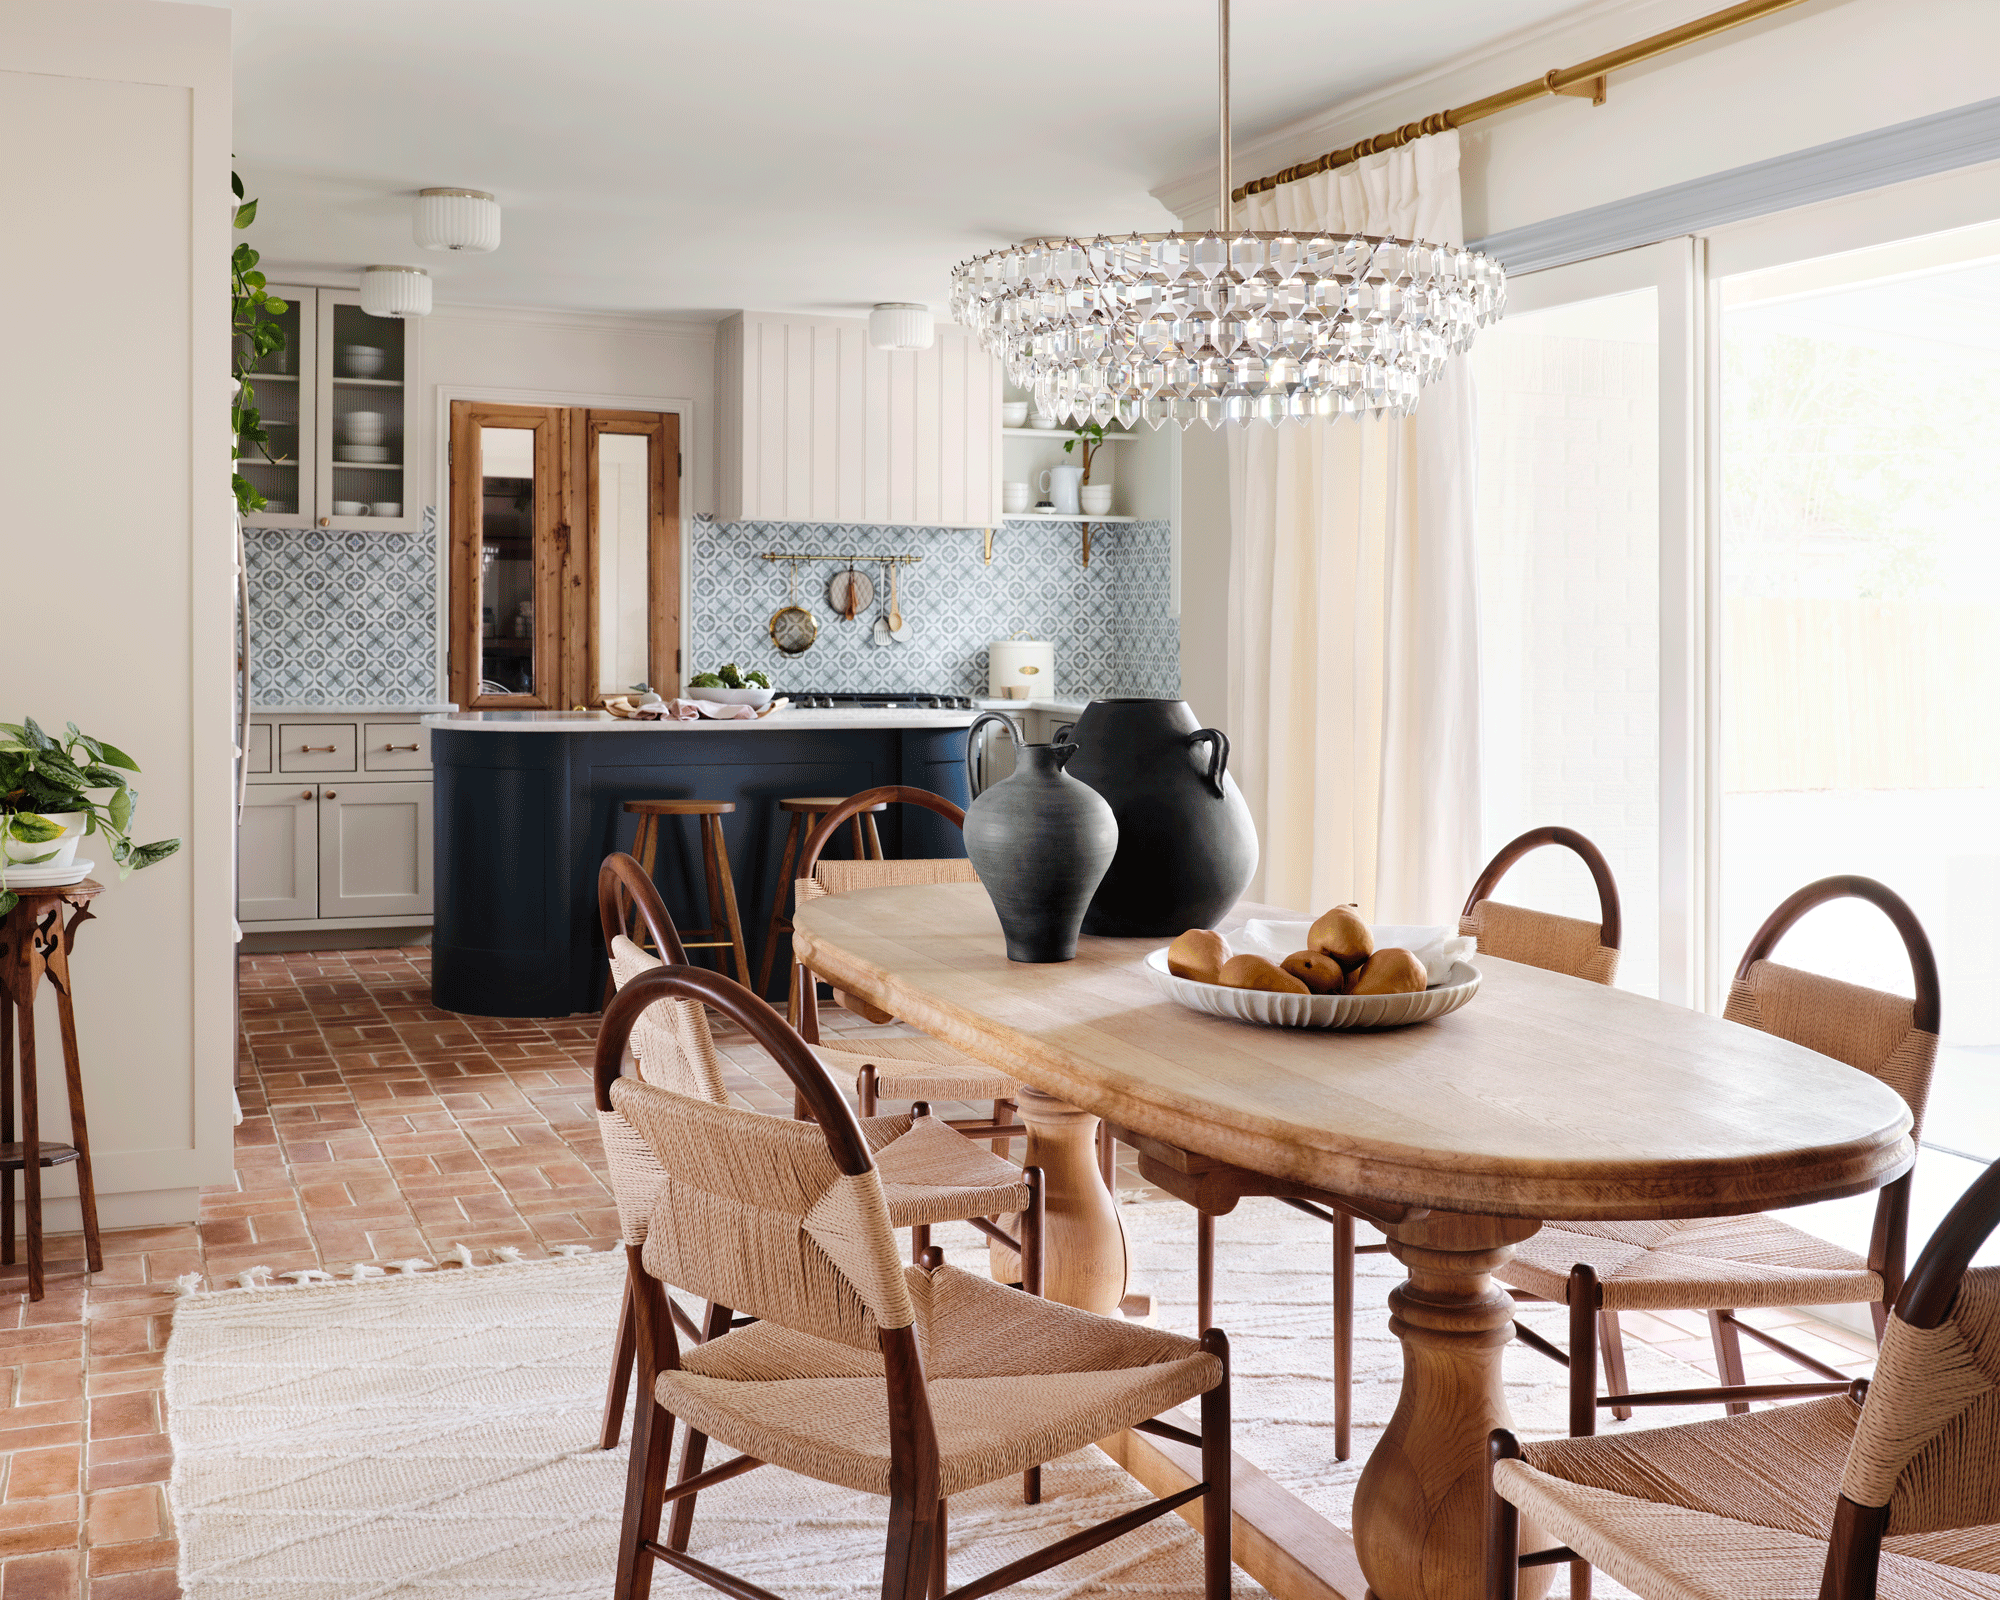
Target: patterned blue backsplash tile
{"x":1110,"y":622}
{"x":341,"y":618}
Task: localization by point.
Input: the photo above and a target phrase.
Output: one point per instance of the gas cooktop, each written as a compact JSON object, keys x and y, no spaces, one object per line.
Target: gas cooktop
{"x":882,"y":701}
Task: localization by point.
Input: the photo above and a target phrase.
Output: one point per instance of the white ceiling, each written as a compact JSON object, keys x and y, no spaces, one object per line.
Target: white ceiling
{"x":791,"y":155}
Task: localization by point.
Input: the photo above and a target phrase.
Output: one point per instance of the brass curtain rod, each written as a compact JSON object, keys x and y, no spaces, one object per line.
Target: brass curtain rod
{"x":1586,"y":78}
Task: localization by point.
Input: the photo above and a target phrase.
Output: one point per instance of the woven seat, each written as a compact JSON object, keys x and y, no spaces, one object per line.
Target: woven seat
{"x":910,"y":1382}
{"x":1714,"y":1263}
{"x":1014,"y":1381}
{"x":1899,"y":1496}
{"x":930,"y":1173}
{"x":911,"y":1069}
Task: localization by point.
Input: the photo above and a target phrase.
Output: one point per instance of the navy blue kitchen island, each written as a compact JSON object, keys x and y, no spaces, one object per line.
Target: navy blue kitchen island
{"x":529,"y":802}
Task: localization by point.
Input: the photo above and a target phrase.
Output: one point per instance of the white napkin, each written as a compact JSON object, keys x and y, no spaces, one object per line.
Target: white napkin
{"x":1436,"y":948}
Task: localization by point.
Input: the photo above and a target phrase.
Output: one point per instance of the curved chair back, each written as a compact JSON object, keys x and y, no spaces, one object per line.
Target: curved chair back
{"x":1926,"y":1451}
{"x":1887,"y":1036}
{"x":782,"y":1219}
{"x":818,"y":878}
{"x":1541,"y":938}
{"x":671,"y":1042}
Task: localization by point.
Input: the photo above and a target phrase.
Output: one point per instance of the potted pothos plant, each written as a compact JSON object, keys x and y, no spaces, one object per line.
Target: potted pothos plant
{"x":49,"y":801}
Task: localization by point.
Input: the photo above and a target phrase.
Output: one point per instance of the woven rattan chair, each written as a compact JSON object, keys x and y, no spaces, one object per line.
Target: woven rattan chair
{"x":1898,"y":1495}
{"x":929,"y":1173}
{"x":912,"y":1382}
{"x":894,"y":1069}
{"x":1722,"y":1264}
{"x":1213,"y":1188}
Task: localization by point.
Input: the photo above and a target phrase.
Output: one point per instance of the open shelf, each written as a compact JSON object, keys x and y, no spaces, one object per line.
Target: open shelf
{"x":1061,"y":433}
{"x":1060,"y":516}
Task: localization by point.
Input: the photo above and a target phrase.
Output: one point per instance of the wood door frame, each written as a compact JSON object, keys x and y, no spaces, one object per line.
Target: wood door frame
{"x":663,"y":566}
{"x":551,"y":538}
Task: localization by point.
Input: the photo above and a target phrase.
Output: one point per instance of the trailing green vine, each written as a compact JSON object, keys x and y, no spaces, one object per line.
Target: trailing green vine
{"x":255,"y":333}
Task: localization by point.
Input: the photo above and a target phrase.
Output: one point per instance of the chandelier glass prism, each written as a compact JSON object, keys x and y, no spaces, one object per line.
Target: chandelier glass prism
{"x":1226,"y":326}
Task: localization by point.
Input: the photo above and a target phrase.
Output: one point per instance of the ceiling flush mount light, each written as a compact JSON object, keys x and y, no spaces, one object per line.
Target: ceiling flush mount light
{"x":1226,"y":327}
{"x":901,"y":325}
{"x":457,"y":219}
{"x":395,"y":291}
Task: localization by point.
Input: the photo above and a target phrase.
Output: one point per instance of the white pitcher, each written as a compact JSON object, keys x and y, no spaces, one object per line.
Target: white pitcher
{"x":1061,"y":485}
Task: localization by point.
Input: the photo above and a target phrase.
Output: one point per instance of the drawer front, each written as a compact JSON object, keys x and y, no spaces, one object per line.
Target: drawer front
{"x":395,"y":747}
{"x":259,"y":752}
{"x":315,"y":747}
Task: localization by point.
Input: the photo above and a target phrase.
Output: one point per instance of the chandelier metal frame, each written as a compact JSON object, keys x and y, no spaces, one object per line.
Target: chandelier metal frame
{"x":1256,"y":325}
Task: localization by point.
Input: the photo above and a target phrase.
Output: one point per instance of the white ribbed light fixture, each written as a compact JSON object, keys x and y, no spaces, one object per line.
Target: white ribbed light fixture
{"x":395,"y":291}
{"x":457,"y":219}
{"x":901,"y":325}
{"x":1226,"y":327}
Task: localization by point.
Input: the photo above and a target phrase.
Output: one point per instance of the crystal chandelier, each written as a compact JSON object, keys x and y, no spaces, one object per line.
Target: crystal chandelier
{"x":1254,"y":326}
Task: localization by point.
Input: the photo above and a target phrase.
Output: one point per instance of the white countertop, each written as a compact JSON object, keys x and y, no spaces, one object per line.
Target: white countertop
{"x":793,"y":717}
{"x":437,"y":708}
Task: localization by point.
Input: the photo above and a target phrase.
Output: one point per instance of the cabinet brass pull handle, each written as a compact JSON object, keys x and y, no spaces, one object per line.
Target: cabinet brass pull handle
{"x":399,"y":747}
{"x":316,"y":749}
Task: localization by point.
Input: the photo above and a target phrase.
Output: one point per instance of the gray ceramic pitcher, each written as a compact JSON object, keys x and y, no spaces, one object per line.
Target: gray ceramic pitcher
{"x":1040,"y":842}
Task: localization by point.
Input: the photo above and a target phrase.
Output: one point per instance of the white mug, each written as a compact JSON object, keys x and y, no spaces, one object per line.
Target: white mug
{"x":1017,"y":496}
{"x":350,"y":508}
{"x":1060,"y":485}
{"x":386,"y":508}
{"x":1095,"y":498}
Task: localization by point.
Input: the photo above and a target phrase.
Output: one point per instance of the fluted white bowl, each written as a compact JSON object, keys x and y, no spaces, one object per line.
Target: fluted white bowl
{"x":1316,"y":1010}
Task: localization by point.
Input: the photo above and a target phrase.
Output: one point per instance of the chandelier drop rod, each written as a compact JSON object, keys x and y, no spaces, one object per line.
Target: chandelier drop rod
{"x":1222,"y":112}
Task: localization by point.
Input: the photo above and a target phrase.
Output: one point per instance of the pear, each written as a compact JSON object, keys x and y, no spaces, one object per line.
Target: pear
{"x":1198,"y":954}
{"x":1390,"y":971}
{"x":1254,"y":972}
{"x":1319,"y":973}
{"x":1343,"y":935}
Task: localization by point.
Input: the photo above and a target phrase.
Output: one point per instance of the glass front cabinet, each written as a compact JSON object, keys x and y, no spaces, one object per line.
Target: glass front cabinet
{"x":339,"y":405}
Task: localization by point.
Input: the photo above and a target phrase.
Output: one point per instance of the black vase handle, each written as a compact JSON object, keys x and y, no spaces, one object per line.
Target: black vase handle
{"x":973,"y":787}
{"x":1062,"y":733}
{"x":1218,"y":756}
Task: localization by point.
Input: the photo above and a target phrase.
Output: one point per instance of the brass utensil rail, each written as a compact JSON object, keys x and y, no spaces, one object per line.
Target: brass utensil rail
{"x":851,"y":557}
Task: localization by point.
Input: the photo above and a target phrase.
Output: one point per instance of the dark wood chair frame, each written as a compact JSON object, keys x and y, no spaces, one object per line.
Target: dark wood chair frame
{"x":1593,"y":1331}
{"x":914,"y":1564}
{"x":867,"y":847}
{"x":1854,"y":1552}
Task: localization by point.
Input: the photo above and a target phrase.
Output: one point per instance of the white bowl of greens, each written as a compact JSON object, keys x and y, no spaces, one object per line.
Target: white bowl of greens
{"x":727,"y":686}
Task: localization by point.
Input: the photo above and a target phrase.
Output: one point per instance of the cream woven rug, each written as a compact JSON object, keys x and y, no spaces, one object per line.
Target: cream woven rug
{"x":433,"y":1435}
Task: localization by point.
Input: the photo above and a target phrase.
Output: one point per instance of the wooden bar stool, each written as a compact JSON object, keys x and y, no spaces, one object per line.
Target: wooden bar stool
{"x":805,"y":812}
{"x":726,"y":933}
{"x":35,"y":943}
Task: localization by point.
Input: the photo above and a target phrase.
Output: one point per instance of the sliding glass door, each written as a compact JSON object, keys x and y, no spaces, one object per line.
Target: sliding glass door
{"x":1586,"y":589}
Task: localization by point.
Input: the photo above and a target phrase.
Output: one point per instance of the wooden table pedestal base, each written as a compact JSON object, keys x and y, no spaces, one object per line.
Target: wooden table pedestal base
{"x":1084,"y":1259}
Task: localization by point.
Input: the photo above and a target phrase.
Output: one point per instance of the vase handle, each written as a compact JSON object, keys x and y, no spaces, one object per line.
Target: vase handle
{"x":1062,"y":733}
{"x":973,"y":787}
{"x":1218,"y":756}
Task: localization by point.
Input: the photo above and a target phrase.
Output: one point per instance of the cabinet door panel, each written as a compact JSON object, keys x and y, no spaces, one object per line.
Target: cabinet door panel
{"x":375,"y":850}
{"x":278,"y":875}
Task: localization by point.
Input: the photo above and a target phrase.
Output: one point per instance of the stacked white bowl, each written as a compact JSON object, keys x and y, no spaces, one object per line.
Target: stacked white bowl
{"x":364,"y":432}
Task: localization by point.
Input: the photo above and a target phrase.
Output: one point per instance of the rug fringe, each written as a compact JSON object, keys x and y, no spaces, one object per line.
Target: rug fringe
{"x":460,"y":1255}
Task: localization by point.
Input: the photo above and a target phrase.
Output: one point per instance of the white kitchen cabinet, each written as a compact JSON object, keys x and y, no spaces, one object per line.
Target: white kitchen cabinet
{"x":339,"y":835}
{"x":814,"y":425}
{"x":375,"y":850}
{"x":338,"y":361}
{"x":278,"y":853}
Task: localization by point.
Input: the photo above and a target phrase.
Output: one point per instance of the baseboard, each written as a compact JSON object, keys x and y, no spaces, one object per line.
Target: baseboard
{"x":277,"y":941}
{"x":138,"y":1208}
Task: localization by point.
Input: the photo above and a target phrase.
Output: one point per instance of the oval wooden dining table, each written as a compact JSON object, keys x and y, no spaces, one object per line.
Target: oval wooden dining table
{"x":1547,"y":1098}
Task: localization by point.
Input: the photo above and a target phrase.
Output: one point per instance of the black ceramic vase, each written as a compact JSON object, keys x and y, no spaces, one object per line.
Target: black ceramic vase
{"x":1187,"y":848}
{"x":1040,"y":842}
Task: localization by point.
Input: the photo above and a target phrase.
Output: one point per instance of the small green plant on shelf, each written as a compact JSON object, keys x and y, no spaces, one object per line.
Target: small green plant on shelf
{"x":41,"y":778}
{"x":1091,"y":437}
{"x":256,"y":333}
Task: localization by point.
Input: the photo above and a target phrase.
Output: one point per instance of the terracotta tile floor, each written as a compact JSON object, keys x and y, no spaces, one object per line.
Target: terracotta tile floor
{"x":374,"y":1129}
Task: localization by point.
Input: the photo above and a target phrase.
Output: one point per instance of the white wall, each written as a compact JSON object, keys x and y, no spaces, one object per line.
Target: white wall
{"x":114,"y":446}
{"x":1824,"y":70}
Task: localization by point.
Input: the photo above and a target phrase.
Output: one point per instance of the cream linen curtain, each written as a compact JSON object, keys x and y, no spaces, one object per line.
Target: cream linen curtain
{"x":1353,"y":639}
